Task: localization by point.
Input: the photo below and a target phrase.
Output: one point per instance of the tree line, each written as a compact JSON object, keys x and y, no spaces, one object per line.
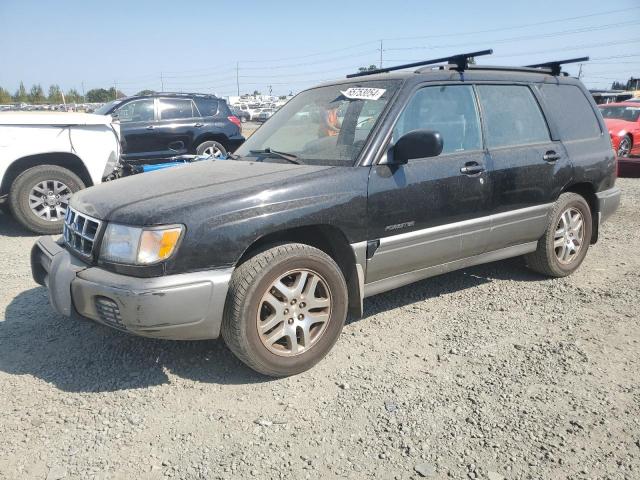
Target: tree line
{"x":36,"y":95}
{"x":631,"y":84}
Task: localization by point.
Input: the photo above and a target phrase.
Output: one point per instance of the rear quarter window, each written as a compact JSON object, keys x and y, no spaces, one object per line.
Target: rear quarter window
{"x":207,"y":107}
{"x":571,"y":112}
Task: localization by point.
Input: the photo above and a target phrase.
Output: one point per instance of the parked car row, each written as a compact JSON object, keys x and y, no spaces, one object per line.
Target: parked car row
{"x":623,"y":124}
{"x":63,"y":107}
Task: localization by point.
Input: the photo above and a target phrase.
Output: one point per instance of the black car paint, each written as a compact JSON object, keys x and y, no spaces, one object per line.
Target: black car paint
{"x":226,"y":206}
{"x":167,"y":138}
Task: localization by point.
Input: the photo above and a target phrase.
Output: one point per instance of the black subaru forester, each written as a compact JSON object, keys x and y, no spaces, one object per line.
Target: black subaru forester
{"x":351,"y":189}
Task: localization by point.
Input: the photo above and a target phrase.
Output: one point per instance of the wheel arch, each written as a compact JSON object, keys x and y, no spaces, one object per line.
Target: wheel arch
{"x":588,"y":192}
{"x":61,"y":159}
{"x":331,"y":240}
{"x":207,"y":137}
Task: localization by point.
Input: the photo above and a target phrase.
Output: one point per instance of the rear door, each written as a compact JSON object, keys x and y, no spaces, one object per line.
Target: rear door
{"x":137,"y":122}
{"x":428,"y":212}
{"x":528,"y":167}
{"x":583,"y":132}
{"x":178,"y":125}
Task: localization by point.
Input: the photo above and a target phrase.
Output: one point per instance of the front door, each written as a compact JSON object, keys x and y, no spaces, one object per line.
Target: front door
{"x":431,"y":211}
{"x":137,"y":124}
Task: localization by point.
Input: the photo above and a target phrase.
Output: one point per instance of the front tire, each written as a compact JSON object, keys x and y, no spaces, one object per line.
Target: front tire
{"x":39,"y":197}
{"x":211,"y":148}
{"x":285,"y":309}
{"x":566,"y":240}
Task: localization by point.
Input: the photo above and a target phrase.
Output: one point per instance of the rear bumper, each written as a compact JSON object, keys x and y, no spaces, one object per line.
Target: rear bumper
{"x":180,"y":307}
{"x":608,"y":202}
{"x":234,"y":142}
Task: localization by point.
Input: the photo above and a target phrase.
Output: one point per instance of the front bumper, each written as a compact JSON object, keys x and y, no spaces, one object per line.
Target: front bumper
{"x":608,"y":202}
{"x":186,"y":306}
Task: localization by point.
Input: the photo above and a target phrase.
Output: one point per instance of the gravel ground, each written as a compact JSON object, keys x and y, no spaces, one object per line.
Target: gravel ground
{"x":491,"y":372}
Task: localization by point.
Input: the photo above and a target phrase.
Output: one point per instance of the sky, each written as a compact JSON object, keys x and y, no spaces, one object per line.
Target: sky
{"x":285,"y":46}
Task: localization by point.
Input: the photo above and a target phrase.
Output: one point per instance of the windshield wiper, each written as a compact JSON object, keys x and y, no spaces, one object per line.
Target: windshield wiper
{"x":289,"y":157}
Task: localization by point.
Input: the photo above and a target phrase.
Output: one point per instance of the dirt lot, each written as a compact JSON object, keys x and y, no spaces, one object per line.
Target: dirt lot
{"x":489,"y":372}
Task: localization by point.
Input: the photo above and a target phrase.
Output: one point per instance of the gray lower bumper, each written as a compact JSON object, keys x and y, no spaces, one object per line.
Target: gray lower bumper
{"x":186,"y":306}
{"x":608,"y":202}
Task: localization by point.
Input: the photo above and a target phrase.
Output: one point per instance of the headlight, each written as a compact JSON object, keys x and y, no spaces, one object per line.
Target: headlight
{"x":139,"y":246}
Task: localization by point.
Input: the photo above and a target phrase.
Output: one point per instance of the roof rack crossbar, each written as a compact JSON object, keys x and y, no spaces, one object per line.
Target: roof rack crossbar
{"x":461,"y":61}
{"x":556,"y":66}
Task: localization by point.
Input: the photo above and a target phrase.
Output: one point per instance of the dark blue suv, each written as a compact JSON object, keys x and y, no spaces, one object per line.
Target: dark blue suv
{"x":163,"y":125}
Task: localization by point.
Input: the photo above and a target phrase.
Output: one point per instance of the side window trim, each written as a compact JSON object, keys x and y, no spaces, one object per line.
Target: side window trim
{"x":194,"y":110}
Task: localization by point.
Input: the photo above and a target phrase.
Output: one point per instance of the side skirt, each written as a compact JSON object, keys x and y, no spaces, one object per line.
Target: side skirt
{"x":390,"y":283}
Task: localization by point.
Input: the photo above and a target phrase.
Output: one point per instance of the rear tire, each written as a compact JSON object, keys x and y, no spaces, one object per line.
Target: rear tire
{"x":39,"y":197}
{"x":211,"y":148}
{"x":566,"y":240}
{"x":285,"y":309}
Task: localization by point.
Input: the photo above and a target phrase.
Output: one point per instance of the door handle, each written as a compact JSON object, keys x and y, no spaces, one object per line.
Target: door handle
{"x":471,"y":168}
{"x":198,"y":125}
{"x":150,"y":127}
{"x":550,"y":156}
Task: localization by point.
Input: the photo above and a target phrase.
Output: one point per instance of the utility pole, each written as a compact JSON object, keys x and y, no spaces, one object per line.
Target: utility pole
{"x":238,"y":77}
{"x":161,"y":82}
{"x":380,"y":53}
{"x":82,"y":86}
{"x":115,"y":90}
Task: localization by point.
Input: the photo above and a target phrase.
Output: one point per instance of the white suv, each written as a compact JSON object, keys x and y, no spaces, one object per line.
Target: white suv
{"x":45,"y":158}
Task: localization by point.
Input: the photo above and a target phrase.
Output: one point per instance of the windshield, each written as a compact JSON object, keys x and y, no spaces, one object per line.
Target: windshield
{"x":621,"y":112}
{"x":107,"y":107}
{"x":325,"y":125}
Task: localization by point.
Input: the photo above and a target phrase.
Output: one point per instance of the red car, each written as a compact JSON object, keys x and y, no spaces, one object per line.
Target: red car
{"x":623,"y":122}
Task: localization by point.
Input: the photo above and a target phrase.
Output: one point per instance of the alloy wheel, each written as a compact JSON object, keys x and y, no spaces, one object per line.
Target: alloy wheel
{"x":294,"y":312}
{"x":569,"y":235}
{"x":625,"y":147}
{"x":213,"y":151}
{"x":49,"y":200}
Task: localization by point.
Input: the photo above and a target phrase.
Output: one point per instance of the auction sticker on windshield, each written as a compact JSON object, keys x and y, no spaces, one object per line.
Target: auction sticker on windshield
{"x":362,"y":93}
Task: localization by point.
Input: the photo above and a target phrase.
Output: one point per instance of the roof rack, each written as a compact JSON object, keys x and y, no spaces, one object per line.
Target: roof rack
{"x":460,"y":60}
{"x":556,"y":66}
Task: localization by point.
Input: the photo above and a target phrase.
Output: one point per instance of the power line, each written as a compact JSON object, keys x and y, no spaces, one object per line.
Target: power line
{"x":524,"y":37}
{"x":515,"y":27}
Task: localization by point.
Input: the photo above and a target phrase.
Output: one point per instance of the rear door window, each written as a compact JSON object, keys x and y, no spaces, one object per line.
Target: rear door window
{"x":572,"y":112}
{"x":448,"y":109}
{"x":511,"y":116}
{"x":175,"y":108}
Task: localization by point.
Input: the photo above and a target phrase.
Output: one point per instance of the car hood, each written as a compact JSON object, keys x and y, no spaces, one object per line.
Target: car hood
{"x":142,"y":198}
{"x":615,"y":125}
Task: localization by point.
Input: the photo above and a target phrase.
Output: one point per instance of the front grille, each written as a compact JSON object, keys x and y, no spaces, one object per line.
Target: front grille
{"x":80,"y":232}
{"x":109,"y":312}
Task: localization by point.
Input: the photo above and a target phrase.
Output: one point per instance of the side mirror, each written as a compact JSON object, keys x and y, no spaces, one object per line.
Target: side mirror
{"x":115,"y":116}
{"x":415,"y":144}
